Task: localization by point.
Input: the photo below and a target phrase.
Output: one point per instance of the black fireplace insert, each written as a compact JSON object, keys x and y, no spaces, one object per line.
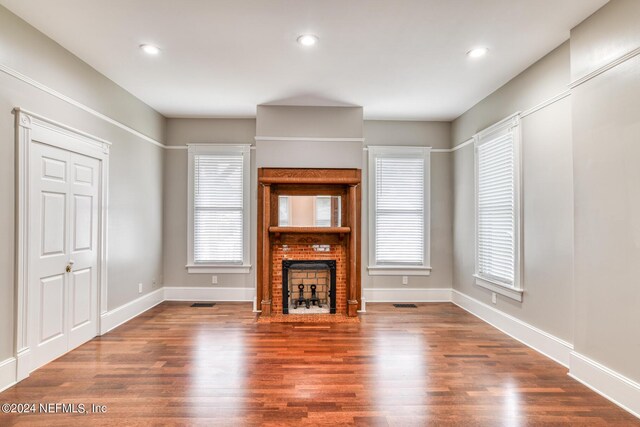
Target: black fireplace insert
{"x":308,"y":286}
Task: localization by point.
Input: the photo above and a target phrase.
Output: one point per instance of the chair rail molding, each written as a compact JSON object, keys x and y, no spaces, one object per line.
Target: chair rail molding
{"x":36,"y":84}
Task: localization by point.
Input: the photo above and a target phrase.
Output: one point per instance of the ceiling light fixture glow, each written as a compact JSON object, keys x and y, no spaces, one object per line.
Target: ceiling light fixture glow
{"x":307,"y":39}
{"x":150,"y":49}
{"x":477,"y":52}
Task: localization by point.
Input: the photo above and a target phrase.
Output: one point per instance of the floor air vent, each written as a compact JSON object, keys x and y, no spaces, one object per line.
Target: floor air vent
{"x":203,"y":304}
{"x":405,"y":306}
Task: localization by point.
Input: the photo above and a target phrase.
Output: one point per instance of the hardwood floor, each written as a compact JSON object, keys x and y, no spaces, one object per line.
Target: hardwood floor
{"x":434,"y":365}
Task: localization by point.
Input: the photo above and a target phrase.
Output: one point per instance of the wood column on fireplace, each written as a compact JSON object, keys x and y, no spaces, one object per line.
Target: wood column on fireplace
{"x":266,"y":250}
{"x":352,"y":301}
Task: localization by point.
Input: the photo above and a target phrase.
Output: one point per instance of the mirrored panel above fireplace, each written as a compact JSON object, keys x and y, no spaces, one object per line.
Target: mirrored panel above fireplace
{"x":309,"y":211}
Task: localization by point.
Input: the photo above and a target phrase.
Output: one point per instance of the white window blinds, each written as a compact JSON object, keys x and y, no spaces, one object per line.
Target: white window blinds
{"x":283,"y":211}
{"x":218,"y":208}
{"x":323,"y":211}
{"x":399,"y":206}
{"x":497,"y":207}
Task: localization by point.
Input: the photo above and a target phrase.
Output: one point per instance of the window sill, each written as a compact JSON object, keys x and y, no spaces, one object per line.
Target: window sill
{"x":499,"y":288}
{"x":385,"y":270}
{"x":221,"y":269}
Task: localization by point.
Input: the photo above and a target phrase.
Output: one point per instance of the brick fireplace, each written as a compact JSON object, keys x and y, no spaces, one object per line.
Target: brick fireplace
{"x":322,"y":279}
{"x":337,"y":243}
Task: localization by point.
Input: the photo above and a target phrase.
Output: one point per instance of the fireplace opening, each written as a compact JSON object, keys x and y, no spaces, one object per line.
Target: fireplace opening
{"x":309,"y":287}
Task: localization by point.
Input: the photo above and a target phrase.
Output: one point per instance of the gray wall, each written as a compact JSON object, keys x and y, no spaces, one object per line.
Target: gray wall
{"x":317,"y":122}
{"x":309,"y":122}
{"x":547,"y":195}
{"x":606,"y":149}
{"x":581,"y":190}
{"x":135,"y":221}
{"x":179,"y":133}
{"x":184,"y":131}
{"x":424,"y":134}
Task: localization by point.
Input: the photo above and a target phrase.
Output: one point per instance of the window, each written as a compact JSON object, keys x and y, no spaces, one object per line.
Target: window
{"x":218,"y":208}
{"x":497,"y":167}
{"x":399,"y":210}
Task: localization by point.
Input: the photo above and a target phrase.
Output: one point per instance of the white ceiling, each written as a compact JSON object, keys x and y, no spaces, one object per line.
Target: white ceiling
{"x":399,"y":59}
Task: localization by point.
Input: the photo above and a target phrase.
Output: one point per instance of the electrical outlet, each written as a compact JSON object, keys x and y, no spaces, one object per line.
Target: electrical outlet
{"x":154,"y":283}
{"x":405,"y":280}
{"x":214,"y":280}
{"x":494,"y":297}
{"x":139,"y":288}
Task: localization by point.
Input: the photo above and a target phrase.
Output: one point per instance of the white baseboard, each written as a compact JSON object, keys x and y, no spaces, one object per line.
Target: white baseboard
{"x":7,"y":373}
{"x":406,"y":295}
{"x":363,"y":304}
{"x":116,"y":317}
{"x":541,"y":341}
{"x":619,"y":389}
{"x":195,"y":293}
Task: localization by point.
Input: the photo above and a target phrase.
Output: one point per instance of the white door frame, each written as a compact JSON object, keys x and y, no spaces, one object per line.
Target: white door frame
{"x":30,"y":127}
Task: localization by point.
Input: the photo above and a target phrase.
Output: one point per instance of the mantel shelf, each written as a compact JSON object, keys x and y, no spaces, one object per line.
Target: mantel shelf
{"x":310,"y":230}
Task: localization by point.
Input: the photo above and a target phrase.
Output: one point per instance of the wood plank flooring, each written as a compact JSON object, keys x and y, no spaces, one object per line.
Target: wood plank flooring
{"x":434,"y":365}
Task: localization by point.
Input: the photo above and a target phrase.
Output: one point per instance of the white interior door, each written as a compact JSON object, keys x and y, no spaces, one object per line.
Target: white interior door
{"x":64,"y":189}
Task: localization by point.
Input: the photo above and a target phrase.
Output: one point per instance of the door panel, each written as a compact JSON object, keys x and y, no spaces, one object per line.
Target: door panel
{"x":63,"y":250}
{"x":82,"y":222}
{"x":54,"y":169}
{"x":49,"y":252}
{"x":83,"y":174}
{"x":84,"y":189}
{"x":54,"y":223}
{"x":80,"y":294}
{"x":52,"y":307}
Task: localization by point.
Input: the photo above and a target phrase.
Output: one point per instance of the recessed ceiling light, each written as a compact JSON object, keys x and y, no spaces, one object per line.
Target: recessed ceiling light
{"x":307,"y":39}
{"x":477,"y":52}
{"x":150,"y":49}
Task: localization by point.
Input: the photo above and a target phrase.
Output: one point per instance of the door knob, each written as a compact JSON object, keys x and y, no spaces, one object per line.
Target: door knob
{"x":69,"y":266}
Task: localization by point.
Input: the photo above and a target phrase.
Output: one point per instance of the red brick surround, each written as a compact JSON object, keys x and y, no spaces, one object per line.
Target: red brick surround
{"x":304,"y":253}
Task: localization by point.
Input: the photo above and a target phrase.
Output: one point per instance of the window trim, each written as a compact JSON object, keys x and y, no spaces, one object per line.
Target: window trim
{"x":423,"y":269}
{"x":509,"y":125}
{"x":245,"y":151}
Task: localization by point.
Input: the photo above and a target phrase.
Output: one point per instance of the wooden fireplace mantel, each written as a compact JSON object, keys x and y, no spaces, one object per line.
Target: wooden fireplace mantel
{"x":273,"y":182}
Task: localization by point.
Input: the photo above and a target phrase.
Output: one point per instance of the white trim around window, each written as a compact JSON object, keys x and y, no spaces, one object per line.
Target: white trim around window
{"x":381,"y":247}
{"x":243,"y":263}
{"x":498,"y":187}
